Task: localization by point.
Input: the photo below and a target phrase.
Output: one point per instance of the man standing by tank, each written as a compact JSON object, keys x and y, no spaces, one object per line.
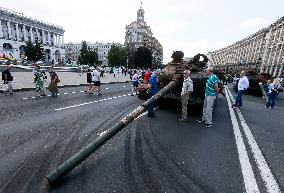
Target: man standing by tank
{"x":8,"y":79}
{"x":243,"y":84}
{"x":153,"y":89}
{"x":187,"y":88}
{"x":211,"y":92}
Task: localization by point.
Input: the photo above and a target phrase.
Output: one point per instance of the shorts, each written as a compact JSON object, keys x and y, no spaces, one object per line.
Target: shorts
{"x":135,"y":84}
{"x":97,"y":83}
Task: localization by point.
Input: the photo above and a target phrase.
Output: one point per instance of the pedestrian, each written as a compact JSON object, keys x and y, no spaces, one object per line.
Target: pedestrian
{"x":211,"y":92}
{"x":54,"y":80}
{"x":153,"y":89}
{"x":89,"y":80}
{"x":243,"y":85}
{"x":187,"y":89}
{"x":39,"y":79}
{"x":135,"y":82}
{"x":8,"y":79}
{"x":273,"y":91}
{"x":264,"y":88}
{"x":96,"y":81}
{"x":147,"y":76}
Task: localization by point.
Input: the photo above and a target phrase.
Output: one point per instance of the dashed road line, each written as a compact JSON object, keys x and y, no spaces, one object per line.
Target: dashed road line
{"x":91,"y":102}
{"x":65,"y":93}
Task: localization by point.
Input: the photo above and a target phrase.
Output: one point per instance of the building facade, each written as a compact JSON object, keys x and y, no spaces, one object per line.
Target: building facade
{"x":16,"y":29}
{"x":73,"y":50}
{"x":264,"y":48}
{"x":139,"y":34}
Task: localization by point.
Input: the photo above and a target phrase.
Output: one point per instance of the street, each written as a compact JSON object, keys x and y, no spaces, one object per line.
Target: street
{"x":242,"y":152}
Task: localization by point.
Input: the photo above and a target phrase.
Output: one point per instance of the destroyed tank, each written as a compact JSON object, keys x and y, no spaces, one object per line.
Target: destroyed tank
{"x":197,"y":75}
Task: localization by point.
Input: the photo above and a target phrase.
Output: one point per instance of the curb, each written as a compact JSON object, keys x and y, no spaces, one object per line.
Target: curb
{"x":63,"y":86}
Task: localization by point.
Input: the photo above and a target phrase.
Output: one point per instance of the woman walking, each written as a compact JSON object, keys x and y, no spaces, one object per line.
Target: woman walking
{"x":53,"y":83}
{"x":39,"y":79}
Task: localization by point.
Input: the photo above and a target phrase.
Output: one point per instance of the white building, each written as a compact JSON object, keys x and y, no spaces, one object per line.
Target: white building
{"x":264,"y":48}
{"x":73,"y":50}
{"x":139,"y":34}
{"x":16,"y":29}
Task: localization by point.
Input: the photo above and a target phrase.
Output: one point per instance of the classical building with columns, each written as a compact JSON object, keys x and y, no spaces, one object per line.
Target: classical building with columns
{"x":16,"y":29}
{"x":139,"y":34}
{"x":102,"y":49}
{"x":264,"y":48}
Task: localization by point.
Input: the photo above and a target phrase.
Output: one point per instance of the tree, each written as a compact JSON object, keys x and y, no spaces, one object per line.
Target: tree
{"x":30,"y":51}
{"x":34,"y":52}
{"x":92,"y":57}
{"x":117,"y":55}
{"x":143,"y":58}
{"x":39,"y":51}
{"x":88,"y":56}
{"x":83,"y":57}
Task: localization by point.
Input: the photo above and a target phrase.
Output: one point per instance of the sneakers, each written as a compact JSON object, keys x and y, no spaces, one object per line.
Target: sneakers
{"x":208,"y":125}
{"x":200,"y":121}
{"x":99,"y":94}
{"x":183,"y":119}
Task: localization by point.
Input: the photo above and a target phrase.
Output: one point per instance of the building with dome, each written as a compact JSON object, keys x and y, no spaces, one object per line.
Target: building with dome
{"x":139,"y":34}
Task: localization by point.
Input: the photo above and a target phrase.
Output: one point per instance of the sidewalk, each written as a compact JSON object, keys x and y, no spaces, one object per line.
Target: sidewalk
{"x":24,"y":81}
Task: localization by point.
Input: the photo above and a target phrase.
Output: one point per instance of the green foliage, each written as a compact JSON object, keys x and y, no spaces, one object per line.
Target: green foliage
{"x":88,"y":56}
{"x":29,"y":50}
{"x":143,"y":58}
{"x":83,"y":57}
{"x":34,"y":52}
{"x":117,"y":56}
{"x":39,"y":51}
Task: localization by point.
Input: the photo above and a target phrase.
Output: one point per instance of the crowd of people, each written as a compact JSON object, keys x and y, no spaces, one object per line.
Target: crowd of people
{"x":270,"y":87}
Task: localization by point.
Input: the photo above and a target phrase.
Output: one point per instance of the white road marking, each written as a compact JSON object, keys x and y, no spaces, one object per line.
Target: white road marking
{"x":124,"y":86}
{"x":124,"y":95}
{"x":33,"y":97}
{"x":25,"y":98}
{"x":65,"y":93}
{"x":49,"y":95}
{"x":106,"y":88}
{"x":87,"y":103}
{"x":73,"y":92}
{"x":263,"y":167}
{"x":109,"y":98}
{"x":82,"y":91}
{"x":248,"y":175}
{"x":129,"y":94}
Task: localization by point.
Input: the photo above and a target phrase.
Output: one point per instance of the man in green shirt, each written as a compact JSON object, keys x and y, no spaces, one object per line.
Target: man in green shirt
{"x":211,"y":92}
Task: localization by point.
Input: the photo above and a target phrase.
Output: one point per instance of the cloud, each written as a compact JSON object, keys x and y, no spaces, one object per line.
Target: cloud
{"x":254,"y":23}
{"x":106,"y":20}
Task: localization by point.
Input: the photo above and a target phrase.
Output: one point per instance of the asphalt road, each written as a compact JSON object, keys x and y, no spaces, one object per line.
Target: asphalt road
{"x":242,"y":152}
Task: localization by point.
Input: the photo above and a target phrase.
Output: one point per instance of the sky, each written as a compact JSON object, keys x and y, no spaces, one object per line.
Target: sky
{"x":192,"y":26}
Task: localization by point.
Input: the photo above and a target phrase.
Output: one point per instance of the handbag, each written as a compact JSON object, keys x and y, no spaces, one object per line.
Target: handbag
{"x":57,"y":80}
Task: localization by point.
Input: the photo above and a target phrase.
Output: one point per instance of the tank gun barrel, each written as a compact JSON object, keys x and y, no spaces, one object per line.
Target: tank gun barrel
{"x":76,"y":159}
